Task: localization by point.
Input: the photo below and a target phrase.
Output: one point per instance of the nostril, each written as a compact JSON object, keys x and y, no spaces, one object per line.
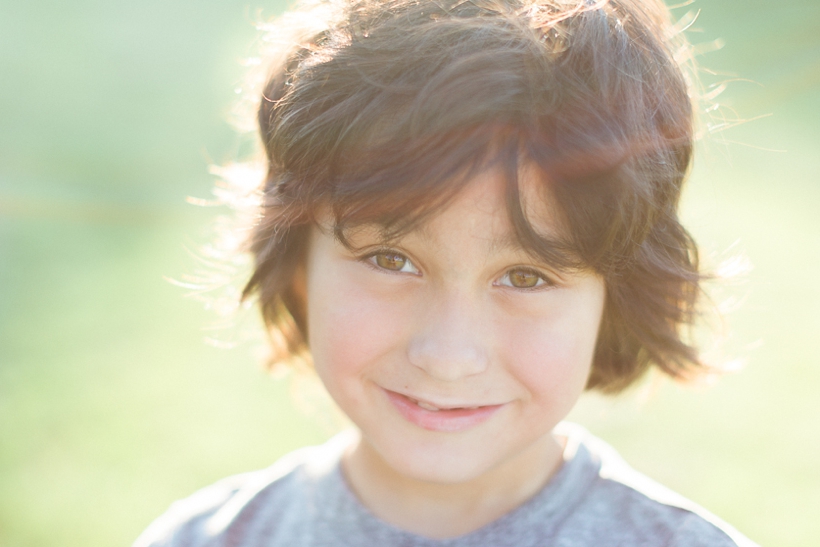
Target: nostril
{"x":447,"y":359}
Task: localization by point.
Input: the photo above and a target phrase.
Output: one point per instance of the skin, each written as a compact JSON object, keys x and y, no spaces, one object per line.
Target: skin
{"x":454,"y":314}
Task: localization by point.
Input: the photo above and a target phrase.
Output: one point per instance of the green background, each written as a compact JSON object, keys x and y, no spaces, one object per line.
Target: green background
{"x":111,"y":404}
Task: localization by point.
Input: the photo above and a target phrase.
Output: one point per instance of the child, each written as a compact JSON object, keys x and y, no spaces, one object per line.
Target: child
{"x":469,"y":218}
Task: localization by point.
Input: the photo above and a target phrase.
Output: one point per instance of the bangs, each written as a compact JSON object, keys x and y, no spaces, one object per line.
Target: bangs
{"x":404,"y":186}
{"x":385,"y":127}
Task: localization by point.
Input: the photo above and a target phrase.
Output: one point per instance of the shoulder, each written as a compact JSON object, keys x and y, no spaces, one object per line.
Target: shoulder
{"x":634,"y":509}
{"x":242,"y":509}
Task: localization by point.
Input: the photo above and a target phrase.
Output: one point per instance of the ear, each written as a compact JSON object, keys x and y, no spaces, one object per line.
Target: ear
{"x":298,"y":286}
{"x":295,"y":296}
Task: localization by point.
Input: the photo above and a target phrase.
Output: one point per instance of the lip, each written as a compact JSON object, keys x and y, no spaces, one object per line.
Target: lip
{"x":452,"y":420}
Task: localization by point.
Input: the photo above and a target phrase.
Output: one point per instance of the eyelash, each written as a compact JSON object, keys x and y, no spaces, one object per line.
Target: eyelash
{"x":371,"y":260}
{"x":543,"y":282}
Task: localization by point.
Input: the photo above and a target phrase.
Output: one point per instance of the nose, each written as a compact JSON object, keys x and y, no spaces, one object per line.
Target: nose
{"x":450,"y":342}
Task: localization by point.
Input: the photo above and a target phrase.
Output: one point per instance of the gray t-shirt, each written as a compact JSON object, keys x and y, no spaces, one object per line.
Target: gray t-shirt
{"x":594,"y":500}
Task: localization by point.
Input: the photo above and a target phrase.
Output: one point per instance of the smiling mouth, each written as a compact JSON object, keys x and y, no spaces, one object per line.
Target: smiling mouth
{"x":448,"y":419}
{"x":433,"y":408}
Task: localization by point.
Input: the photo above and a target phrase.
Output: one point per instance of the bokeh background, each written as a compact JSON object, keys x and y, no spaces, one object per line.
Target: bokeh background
{"x":111,"y":403}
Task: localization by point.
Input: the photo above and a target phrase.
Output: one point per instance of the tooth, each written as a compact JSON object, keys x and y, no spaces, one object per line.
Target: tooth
{"x":426,"y":406}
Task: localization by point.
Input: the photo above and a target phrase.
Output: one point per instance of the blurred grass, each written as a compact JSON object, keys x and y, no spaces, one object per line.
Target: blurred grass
{"x":111,"y":406}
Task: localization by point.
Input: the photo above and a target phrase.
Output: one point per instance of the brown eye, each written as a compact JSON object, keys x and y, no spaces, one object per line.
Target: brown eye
{"x":390,"y":261}
{"x":523,"y":279}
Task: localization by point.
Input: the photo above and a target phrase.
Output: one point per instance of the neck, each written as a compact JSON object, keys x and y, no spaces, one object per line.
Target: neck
{"x":444,"y":510}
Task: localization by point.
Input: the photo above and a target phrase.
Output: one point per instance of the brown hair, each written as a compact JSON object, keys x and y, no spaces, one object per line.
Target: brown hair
{"x":384,"y":112}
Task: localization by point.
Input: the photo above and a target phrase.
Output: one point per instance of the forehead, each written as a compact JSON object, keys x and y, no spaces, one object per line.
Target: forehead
{"x":481,"y":210}
{"x":499,"y":210}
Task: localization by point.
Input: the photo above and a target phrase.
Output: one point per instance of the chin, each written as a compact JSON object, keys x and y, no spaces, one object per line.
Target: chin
{"x":442,"y":472}
{"x":437,"y":463}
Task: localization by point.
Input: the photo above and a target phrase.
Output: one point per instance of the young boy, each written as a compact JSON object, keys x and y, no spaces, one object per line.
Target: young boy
{"x":469,"y":218}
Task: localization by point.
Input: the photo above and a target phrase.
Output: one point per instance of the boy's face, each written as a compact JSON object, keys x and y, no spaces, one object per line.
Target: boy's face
{"x":453,"y":350}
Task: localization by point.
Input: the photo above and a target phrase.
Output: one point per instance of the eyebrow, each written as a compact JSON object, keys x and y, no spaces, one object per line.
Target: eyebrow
{"x":552,"y":252}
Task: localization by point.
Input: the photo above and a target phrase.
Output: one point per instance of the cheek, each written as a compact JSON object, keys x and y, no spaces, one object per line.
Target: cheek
{"x":552,"y":355}
{"x":349,"y":327}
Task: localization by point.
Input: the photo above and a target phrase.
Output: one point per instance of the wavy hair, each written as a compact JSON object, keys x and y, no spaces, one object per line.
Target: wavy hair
{"x":380,"y":110}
